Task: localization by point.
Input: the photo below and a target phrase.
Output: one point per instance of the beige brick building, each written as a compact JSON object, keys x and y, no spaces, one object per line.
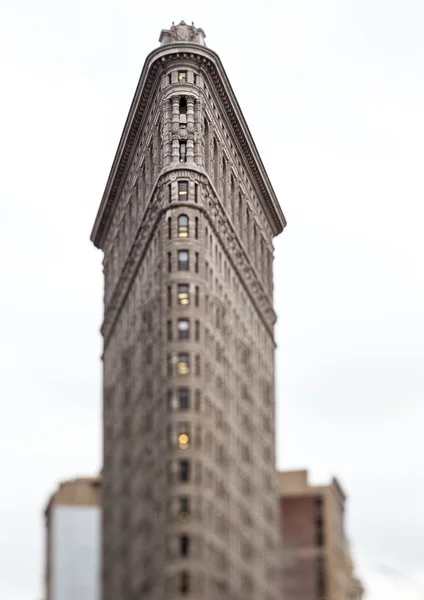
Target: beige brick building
{"x":317,"y":563}
{"x":73,"y":541}
{"x":186,"y":225}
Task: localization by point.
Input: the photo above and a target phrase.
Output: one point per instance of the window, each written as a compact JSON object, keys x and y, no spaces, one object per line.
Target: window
{"x":197,"y":365}
{"x":183,"y":152}
{"x":169,"y":262}
{"x":169,"y":79}
{"x":197,"y":331}
{"x":182,"y":190}
{"x":183,"y":329}
{"x":184,"y":508}
{"x":183,"y":294}
{"x":182,"y":436}
{"x":184,"y":545}
{"x":183,"y":226}
{"x":183,"y":583}
{"x":196,"y":228}
{"x":182,"y":260}
{"x":180,"y":400}
{"x":183,"y":364}
{"x":169,"y":331}
{"x":196,"y":263}
{"x":182,"y":76}
{"x":183,"y":111}
{"x":184,"y":471}
{"x":169,"y":228}
{"x":169,"y":295}
{"x":183,"y":398}
{"x":194,"y":78}
{"x":196,"y":296}
{"x":170,"y":192}
{"x":196,"y":193}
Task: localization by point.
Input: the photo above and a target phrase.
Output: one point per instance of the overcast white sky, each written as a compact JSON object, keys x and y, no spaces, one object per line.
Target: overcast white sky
{"x":333,"y":92}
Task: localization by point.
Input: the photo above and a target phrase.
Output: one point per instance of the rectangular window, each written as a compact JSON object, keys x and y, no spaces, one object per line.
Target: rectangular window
{"x":183,"y":190}
{"x":196,"y":228}
{"x":169,"y":262}
{"x":183,"y":110}
{"x":184,"y":545}
{"x":183,"y":364}
{"x":194,"y":78}
{"x":197,"y":365}
{"x":169,"y":295}
{"x":184,"y":583}
{"x":183,"y":398}
{"x":197,"y":331}
{"x":183,"y":294}
{"x":196,"y":193}
{"x":196,"y":296}
{"x":196,"y":263}
{"x":169,"y":330}
{"x":169,"y":228}
{"x":182,"y":76}
{"x":184,"y":508}
{"x":183,"y":260}
{"x":169,"y":79}
{"x":170,"y":193}
{"x":184,"y":471}
{"x":183,"y":329}
{"x":183,"y":152}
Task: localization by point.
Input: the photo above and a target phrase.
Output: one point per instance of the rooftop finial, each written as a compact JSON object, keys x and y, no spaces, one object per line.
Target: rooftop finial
{"x":182,"y":33}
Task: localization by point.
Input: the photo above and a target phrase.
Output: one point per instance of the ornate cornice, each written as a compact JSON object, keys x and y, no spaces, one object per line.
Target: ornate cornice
{"x":148,"y":82}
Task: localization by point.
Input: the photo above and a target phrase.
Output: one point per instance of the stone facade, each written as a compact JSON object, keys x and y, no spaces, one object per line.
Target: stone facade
{"x":317,"y":563}
{"x":186,"y":226}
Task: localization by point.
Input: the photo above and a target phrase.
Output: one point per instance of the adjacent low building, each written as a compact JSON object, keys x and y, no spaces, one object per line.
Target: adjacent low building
{"x":73,"y":536}
{"x":317,"y":564}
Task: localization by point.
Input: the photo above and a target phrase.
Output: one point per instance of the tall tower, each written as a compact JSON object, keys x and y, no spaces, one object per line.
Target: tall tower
{"x":190,"y":495}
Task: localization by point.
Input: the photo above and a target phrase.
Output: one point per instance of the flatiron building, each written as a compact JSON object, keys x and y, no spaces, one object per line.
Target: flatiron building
{"x":186,"y":226}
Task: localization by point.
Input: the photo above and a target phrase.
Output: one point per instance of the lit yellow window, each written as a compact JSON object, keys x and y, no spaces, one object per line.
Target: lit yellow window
{"x":183,"y":364}
{"x":182,"y":226}
{"x":182,"y":190}
{"x":183,"y":294}
{"x":182,"y":76}
{"x":183,"y":441}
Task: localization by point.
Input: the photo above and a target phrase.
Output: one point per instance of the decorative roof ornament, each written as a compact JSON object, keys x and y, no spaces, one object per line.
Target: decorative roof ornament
{"x":182,"y":33}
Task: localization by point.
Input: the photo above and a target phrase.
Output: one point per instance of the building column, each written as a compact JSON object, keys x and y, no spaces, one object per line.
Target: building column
{"x":175,"y":157}
{"x":198,"y":133}
{"x":166,"y":132}
{"x":190,"y":129}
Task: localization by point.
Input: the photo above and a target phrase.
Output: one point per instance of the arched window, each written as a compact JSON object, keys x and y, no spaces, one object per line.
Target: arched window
{"x":183,"y":226}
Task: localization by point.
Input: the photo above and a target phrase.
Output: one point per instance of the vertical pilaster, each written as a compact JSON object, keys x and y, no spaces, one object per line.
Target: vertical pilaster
{"x":175,"y":127}
{"x":166,"y":132}
{"x":198,"y":133}
{"x":190,"y":129}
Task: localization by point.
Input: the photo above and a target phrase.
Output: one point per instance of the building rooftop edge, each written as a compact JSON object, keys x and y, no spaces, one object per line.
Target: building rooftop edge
{"x":94,"y":480}
{"x":305,"y":473}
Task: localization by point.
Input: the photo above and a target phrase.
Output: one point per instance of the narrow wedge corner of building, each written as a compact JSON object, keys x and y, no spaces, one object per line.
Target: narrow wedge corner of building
{"x":186,"y":227}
